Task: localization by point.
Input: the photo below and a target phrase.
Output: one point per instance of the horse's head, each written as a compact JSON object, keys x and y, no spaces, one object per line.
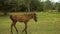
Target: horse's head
{"x":35,"y":17}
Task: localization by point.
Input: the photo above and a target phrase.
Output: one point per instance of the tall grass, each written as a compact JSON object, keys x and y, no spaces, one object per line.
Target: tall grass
{"x":48,"y":23}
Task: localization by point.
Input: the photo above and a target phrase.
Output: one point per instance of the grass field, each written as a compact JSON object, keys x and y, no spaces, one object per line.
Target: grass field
{"x":48,"y":23}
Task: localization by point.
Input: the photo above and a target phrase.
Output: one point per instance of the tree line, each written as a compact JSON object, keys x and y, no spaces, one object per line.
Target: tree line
{"x":27,"y":5}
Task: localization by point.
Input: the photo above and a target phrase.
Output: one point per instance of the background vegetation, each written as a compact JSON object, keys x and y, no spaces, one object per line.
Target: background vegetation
{"x":28,"y":6}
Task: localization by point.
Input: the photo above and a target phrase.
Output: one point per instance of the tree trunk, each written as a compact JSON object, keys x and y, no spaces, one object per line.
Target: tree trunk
{"x":27,"y":4}
{"x":28,"y":7}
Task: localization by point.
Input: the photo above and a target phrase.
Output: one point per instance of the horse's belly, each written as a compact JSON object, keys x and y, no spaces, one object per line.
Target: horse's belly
{"x":22,"y":20}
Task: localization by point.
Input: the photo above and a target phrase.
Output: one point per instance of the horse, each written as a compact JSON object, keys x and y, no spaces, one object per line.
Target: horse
{"x":24,"y":18}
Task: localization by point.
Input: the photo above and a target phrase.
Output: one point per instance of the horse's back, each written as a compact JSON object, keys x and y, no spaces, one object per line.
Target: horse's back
{"x":18,"y":17}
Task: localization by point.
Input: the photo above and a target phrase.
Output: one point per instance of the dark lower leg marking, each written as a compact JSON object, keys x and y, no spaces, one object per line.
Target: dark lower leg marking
{"x":11,"y":28}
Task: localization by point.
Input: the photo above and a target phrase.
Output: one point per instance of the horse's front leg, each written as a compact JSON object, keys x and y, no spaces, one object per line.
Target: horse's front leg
{"x":25,"y":29}
{"x":15,"y":27}
{"x":13,"y":24}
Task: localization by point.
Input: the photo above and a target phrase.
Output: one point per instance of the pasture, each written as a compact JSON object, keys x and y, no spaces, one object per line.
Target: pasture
{"x":48,"y":23}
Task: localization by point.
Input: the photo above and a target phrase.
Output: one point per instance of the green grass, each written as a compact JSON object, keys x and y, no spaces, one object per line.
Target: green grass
{"x":48,"y":23}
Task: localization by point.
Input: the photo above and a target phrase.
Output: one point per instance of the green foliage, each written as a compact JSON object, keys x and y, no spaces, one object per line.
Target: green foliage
{"x":48,"y":4}
{"x":34,"y":4}
{"x":27,"y":5}
{"x":59,"y":7}
{"x":56,"y":5}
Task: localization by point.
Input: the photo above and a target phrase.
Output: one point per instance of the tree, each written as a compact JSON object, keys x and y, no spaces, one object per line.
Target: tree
{"x":3,"y":6}
{"x":27,"y":4}
{"x":48,"y":4}
{"x":36,"y":5}
{"x":59,"y":7}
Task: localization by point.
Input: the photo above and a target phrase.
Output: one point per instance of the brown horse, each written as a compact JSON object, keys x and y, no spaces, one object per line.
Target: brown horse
{"x":22,"y":18}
